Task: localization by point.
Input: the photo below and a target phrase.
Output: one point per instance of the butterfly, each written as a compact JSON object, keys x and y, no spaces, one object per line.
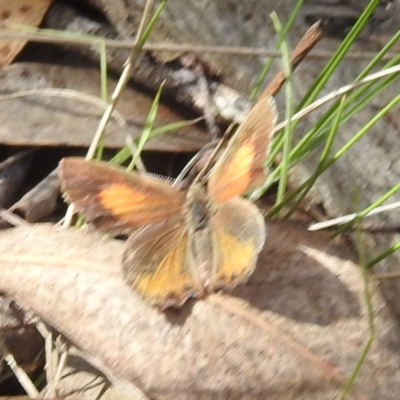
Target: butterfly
{"x":185,"y":243}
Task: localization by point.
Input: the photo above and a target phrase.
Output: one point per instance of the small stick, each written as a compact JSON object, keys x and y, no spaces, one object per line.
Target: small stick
{"x":347,"y":218}
{"x":307,"y":42}
{"x":12,"y":218}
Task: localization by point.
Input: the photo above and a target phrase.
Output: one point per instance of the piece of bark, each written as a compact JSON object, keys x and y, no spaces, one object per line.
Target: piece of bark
{"x":40,"y":201}
{"x":12,"y":173}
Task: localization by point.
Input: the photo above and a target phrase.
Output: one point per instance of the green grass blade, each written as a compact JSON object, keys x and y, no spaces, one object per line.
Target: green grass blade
{"x":125,"y":153}
{"x":356,"y":100}
{"x":383,"y":255}
{"x":367,"y":127}
{"x":377,"y":59}
{"x":147,"y":128}
{"x":320,"y":131}
{"x":151,"y":24}
{"x":282,"y":36}
{"x":324,"y":77}
{"x":322,"y":162}
{"x":339,"y":153}
{"x":366,"y":211}
{"x":337,"y":58}
{"x":287,"y":137}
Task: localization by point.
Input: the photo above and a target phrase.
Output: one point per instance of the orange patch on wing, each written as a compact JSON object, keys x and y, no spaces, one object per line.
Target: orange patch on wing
{"x":235,"y":176}
{"x":121,"y":199}
{"x":170,"y":279}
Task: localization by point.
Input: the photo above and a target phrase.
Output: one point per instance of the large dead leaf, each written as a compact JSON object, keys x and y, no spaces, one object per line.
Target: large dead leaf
{"x":296,"y":330}
{"x":57,"y":120}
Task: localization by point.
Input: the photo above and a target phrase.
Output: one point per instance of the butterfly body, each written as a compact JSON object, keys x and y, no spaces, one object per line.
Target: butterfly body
{"x":184,"y":244}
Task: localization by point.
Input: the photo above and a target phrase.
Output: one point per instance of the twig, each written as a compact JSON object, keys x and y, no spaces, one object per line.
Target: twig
{"x":347,"y":218}
{"x":387,"y":275}
{"x":307,"y":42}
{"x":51,"y":36}
{"x":63,"y":350}
{"x":12,"y":218}
{"x":51,"y":362}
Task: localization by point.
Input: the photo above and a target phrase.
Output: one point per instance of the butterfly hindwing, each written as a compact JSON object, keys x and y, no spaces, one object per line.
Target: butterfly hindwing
{"x":158,"y":263}
{"x":238,"y":237}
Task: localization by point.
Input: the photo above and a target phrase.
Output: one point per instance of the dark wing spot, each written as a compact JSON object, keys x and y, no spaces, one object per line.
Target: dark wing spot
{"x":25,"y":9}
{"x":5,"y":14}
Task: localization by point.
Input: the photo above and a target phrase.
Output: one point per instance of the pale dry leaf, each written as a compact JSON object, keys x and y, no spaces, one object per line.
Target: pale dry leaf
{"x":295,"y":330}
{"x":14,"y":13}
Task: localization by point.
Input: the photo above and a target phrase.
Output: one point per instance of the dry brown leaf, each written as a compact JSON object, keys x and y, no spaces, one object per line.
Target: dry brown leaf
{"x":59,"y":121}
{"x":14,"y":13}
{"x":294,"y":331}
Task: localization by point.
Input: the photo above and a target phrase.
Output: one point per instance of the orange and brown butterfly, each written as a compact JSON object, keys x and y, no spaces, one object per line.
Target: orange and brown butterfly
{"x":188,"y":243}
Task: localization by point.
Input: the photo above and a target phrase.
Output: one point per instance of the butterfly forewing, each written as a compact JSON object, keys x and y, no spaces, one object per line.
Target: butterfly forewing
{"x":159,"y":265}
{"x":238,"y":237}
{"x":114,"y":200}
{"x":241,"y":166}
